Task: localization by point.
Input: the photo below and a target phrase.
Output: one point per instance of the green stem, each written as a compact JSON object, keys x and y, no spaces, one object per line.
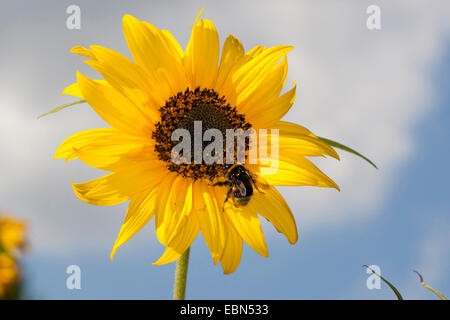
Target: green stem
{"x":179,"y":290}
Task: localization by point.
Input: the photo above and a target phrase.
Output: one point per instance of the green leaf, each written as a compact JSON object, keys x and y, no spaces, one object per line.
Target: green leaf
{"x":399,"y":296}
{"x":440,"y":295}
{"x":345,"y":148}
{"x":61,"y":107}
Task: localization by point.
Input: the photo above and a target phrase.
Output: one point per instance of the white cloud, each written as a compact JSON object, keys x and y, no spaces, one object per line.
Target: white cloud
{"x":365,"y":88}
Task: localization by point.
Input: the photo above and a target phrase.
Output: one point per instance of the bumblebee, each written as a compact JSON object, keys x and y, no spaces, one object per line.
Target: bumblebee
{"x":241,"y":183}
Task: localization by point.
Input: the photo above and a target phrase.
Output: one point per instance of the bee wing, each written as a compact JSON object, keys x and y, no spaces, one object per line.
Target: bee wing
{"x":260,"y":183}
{"x":242,"y":189}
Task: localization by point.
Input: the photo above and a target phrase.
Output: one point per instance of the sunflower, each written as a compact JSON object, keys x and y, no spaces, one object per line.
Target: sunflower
{"x":165,"y":88}
{"x":12,"y":234}
{"x":12,"y":241}
{"x":9,"y":275}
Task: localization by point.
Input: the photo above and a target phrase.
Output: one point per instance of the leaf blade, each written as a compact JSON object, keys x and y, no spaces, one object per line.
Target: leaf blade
{"x":64,"y":106}
{"x":440,"y":295}
{"x":394,"y":289}
{"x":348,"y":149}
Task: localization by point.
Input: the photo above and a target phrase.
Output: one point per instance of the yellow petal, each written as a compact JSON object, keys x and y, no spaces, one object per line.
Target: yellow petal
{"x":232,"y":253}
{"x":294,"y":141}
{"x":161,"y":203}
{"x":119,"y":187}
{"x":298,"y":138}
{"x":296,"y":171}
{"x":124,"y":75}
{"x":232,"y":52}
{"x":254,"y":52}
{"x":249,"y":76}
{"x":224,"y":84}
{"x":208,"y":210}
{"x":114,"y":108}
{"x":116,"y":158}
{"x":185,"y":197}
{"x":280,"y":106}
{"x":173,"y":45}
{"x":174,"y":204}
{"x":74,"y":89}
{"x":83,"y":52}
{"x":127,"y":78}
{"x":181,"y":241}
{"x":106,"y":148}
{"x":273,"y":110}
{"x":202,"y":55}
{"x":271,"y":205}
{"x":247,"y":224}
{"x":140,"y":210}
{"x":261,"y":101}
{"x":157,"y":53}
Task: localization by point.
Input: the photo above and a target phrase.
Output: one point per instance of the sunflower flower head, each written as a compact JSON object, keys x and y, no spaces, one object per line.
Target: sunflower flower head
{"x":12,"y":234}
{"x":9,"y":275}
{"x":165,"y":92}
{"x":12,"y":240}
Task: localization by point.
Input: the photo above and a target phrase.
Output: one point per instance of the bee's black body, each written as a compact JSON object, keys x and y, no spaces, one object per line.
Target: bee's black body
{"x":241,"y":184}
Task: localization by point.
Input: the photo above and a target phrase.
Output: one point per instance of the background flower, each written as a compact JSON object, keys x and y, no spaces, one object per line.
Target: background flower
{"x":12,"y":240}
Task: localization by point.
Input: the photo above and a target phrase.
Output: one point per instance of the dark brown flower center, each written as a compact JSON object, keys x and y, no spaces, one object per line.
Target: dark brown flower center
{"x":180,"y":112}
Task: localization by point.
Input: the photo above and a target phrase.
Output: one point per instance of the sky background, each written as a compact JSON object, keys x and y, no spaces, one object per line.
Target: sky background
{"x":384,"y":92}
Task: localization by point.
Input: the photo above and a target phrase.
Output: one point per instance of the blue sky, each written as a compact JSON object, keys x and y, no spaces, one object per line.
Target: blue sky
{"x":383,"y":92}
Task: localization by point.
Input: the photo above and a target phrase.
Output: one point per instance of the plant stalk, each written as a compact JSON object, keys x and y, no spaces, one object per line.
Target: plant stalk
{"x":181,"y":270}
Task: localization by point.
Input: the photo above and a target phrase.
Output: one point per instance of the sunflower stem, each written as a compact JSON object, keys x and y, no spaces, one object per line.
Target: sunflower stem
{"x":179,"y":290}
